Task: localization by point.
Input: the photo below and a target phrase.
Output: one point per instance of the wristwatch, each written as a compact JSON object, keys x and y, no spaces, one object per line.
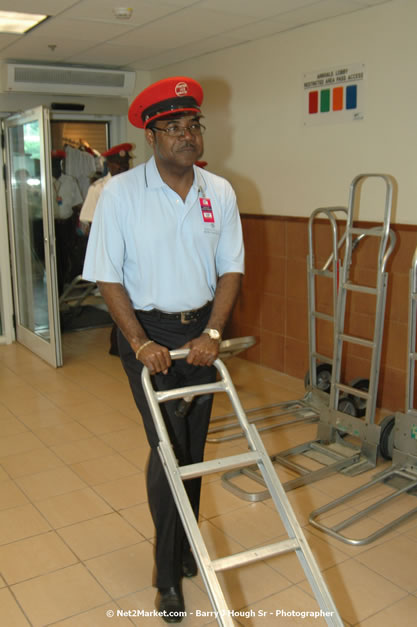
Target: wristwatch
{"x":214,"y":334}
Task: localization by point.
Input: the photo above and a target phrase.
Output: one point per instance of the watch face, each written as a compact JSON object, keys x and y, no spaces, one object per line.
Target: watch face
{"x":213,"y":333}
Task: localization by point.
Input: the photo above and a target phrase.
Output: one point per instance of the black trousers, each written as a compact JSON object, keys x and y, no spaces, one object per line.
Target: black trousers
{"x":188,"y":437}
{"x":64,"y":234}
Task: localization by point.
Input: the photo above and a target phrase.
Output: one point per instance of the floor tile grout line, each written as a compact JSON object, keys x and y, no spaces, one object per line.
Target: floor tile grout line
{"x":20,"y":606}
{"x":384,"y":609}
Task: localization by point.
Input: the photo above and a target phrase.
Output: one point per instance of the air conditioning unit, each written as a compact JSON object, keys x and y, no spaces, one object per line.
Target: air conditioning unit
{"x":55,"y":79}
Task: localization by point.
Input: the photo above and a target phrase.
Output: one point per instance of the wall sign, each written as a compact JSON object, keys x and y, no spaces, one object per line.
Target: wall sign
{"x":334,"y":95}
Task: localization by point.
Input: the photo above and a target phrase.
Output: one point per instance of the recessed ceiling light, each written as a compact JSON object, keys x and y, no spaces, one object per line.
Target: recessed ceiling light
{"x":123,"y":13}
{"x":19,"y":23}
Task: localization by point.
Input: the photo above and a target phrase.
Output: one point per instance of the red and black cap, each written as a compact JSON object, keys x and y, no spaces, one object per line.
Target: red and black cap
{"x":170,"y":95}
{"x":121,"y":150}
{"x":58,"y":154}
{"x":201,"y":164}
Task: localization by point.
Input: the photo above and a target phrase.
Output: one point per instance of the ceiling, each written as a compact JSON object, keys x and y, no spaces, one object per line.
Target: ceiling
{"x":159,"y":32}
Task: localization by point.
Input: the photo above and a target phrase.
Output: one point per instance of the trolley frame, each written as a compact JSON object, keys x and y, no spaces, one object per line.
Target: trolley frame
{"x":177,"y":474}
{"x":307,"y":408}
{"x":330,"y":449}
{"x":402,"y":476}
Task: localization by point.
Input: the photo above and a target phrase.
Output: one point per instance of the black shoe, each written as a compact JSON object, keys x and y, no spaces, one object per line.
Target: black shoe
{"x":171,"y":604}
{"x":189,"y":566}
{"x":113,"y":351}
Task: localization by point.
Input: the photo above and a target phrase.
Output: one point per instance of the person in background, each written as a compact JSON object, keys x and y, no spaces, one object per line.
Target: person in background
{"x":67,"y":201}
{"x":166,"y":251}
{"x":118,"y":160}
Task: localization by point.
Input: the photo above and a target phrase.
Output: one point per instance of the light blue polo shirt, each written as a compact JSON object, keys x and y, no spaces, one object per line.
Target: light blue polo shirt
{"x":167,"y":253}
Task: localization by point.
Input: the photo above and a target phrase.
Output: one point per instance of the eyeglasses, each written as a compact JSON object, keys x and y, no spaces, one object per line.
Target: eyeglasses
{"x":176,"y":130}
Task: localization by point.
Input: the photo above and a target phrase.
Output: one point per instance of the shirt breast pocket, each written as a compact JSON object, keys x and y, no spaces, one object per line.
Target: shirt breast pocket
{"x":210,"y":228}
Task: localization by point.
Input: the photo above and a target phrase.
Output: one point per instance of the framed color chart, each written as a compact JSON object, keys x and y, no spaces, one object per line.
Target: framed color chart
{"x":334,"y":95}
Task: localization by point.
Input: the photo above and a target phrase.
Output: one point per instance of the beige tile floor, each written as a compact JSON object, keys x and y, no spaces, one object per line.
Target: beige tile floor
{"x":76,"y":538}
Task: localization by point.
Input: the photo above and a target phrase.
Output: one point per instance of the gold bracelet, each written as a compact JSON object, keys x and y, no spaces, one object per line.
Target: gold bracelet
{"x":143,"y":346}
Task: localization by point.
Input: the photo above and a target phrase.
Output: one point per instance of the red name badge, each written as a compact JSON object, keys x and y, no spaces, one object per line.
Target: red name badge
{"x":206,"y":210}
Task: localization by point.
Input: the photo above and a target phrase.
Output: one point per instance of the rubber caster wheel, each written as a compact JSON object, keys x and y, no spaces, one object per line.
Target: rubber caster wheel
{"x":363,"y":385}
{"x":323,"y":377}
{"x":347,"y":405}
{"x":386,"y":439}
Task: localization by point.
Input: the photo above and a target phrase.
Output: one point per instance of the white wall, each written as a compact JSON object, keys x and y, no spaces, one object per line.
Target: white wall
{"x":136,"y":135}
{"x":254,"y":112}
{"x":14,"y":102}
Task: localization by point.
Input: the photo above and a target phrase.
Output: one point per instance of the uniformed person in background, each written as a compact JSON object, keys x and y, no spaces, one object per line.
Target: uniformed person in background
{"x":117,"y":161}
{"x":67,"y":201}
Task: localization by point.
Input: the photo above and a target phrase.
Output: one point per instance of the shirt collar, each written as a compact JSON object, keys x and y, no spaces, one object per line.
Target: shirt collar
{"x":154,"y":179}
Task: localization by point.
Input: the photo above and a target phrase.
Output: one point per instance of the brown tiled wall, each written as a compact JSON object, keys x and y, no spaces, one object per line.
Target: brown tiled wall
{"x":273,"y":302}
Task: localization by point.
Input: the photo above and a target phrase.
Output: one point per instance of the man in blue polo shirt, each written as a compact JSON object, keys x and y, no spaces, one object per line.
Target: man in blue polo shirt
{"x":166,"y":251}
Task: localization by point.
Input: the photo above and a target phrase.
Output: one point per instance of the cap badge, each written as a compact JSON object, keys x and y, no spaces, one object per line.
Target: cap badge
{"x":181,"y":89}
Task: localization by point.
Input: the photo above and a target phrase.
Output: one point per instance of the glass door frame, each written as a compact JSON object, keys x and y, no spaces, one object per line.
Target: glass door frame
{"x":50,"y":351}
{"x":117,"y":127}
{"x":7,"y":336}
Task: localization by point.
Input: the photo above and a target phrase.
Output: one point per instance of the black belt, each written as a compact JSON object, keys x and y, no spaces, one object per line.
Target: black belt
{"x":184,"y":316}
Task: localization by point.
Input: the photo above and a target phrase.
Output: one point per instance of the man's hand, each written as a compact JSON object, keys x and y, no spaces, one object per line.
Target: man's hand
{"x":203,"y":350}
{"x":155,"y":357}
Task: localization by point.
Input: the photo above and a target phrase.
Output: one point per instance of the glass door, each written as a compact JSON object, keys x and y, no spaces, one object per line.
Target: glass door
{"x":32,"y":233}
{"x":6,"y":299}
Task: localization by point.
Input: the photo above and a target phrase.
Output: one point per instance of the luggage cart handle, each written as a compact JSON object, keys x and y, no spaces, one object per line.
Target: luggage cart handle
{"x":390,"y":185}
{"x":225,"y":384}
{"x":227,"y":348}
{"x":376,"y":230}
{"x":330,"y":213}
{"x":179,"y":353}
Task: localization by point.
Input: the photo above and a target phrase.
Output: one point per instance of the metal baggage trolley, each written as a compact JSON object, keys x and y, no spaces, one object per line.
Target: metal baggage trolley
{"x":331,"y":449}
{"x":177,"y":474}
{"x":398,"y":441}
{"x":317,"y":382}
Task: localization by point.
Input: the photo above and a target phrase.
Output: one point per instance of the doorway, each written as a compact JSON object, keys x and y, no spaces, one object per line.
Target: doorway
{"x":82,"y":142}
{"x":78,"y":133}
{"x":34,"y":294}
{"x":32,"y":233}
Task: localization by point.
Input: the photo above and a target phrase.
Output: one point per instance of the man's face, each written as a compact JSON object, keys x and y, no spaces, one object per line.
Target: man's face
{"x":182,"y":151}
{"x":56,"y":168}
{"x":118,"y":165}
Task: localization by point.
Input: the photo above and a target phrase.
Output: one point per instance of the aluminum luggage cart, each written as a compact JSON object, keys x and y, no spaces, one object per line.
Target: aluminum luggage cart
{"x":257,"y":454}
{"x":398,"y":441}
{"x":332,"y":450}
{"x":305,"y":409}
{"x":320,"y":366}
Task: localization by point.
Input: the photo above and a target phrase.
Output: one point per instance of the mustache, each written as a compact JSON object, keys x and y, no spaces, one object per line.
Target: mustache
{"x":187,"y":144}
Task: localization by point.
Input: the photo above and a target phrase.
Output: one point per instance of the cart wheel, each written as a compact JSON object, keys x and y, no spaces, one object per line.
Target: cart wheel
{"x":386,"y":440}
{"x":323,"y":377}
{"x":360,"y":384}
{"x":348,"y":406}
